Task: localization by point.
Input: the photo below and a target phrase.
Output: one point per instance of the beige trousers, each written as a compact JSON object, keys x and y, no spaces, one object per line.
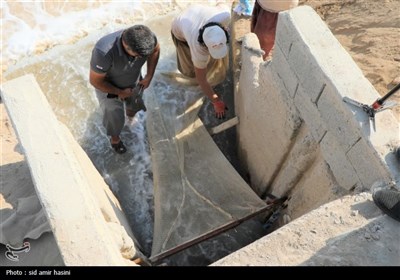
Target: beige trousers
{"x":216,"y":68}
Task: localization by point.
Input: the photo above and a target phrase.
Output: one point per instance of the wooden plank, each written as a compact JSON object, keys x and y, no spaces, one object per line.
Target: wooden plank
{"x":224,"y":126}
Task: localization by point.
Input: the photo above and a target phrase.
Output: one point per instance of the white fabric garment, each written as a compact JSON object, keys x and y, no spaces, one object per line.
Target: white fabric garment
{"x":186,"y":28}
{"x":276,"y":6}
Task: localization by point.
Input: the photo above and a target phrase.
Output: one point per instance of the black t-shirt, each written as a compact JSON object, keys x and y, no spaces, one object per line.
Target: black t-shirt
{"x":108,"y":56}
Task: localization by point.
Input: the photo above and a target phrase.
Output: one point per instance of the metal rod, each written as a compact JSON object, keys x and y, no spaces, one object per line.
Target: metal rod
{"x":224,"y":126}
{"x":378,"y":103}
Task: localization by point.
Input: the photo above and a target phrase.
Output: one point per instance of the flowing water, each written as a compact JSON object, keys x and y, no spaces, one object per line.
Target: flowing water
{"x":53,"y":40}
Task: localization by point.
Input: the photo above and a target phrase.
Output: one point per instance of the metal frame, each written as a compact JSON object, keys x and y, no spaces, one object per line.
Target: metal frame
{"x":376,"y":107}
{"x":208,"y":235}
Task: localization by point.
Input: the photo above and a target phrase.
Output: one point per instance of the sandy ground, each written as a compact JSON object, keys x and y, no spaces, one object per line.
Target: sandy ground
{"x":368,"y":30}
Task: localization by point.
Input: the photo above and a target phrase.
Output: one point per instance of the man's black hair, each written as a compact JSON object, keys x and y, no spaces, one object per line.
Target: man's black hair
{"x":201,"y":31}
{"x":140,"y":39}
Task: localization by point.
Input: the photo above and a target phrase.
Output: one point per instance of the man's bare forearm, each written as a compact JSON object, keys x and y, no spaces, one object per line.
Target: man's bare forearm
{"x":99,"y":82}
{"x":152,"y":63}
{"x":107,"y":87}
{"x":201,"y":77}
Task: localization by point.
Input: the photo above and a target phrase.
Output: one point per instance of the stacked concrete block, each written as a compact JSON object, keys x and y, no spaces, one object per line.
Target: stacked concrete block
{"x":304,"y":86}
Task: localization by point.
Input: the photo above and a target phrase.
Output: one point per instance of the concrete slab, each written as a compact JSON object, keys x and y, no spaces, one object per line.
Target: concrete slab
{"x":360,"y":236}
{"x":64,"y":191}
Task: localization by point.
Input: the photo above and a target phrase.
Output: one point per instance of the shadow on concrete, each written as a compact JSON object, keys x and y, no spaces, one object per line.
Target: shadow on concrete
{"x":375,"y":244}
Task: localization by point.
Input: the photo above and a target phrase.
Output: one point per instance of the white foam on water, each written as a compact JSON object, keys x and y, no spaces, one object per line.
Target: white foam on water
{"x":32,"y":27}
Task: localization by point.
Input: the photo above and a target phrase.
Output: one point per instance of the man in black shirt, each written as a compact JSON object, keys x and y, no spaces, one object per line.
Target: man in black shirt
{"x":115,"y":73}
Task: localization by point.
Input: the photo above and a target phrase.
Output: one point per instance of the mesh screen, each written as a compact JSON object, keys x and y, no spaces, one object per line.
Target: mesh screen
{"x":196,"y":189}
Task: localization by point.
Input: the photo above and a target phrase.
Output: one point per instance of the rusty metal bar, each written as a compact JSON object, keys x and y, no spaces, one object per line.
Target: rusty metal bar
{"x":207,"y":235}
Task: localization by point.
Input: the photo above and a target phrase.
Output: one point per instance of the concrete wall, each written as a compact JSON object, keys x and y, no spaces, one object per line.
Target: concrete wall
{"x":296,"y":136}
{"x":85,"y":217}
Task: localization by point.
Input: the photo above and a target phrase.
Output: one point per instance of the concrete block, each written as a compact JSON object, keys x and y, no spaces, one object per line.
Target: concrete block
{"x":285,"y":34}
{"x":335,"y":156}
{"x":280,"y":65}
{"x":316,"y":54}
{"x":308,"y":71}
{"x":310,"y":114}
{"x":367,"y":164}
{"x":335,"y":115}
{"x":78,"y":225}
{"x":332,"y":58}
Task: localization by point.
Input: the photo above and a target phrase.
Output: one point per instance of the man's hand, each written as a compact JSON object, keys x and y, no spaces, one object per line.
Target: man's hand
{"x":219,"y":108}
{"x":127,"y":92}
{"x":145,"y":82}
